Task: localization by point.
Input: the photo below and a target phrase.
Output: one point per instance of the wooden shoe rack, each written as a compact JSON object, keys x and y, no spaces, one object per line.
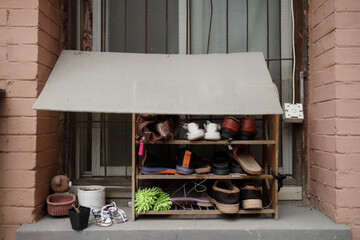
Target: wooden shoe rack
{"x":270,"y":146}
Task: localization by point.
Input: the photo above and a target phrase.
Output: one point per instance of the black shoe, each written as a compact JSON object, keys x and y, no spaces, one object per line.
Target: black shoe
{"x":224,"y":195}
{"x":154,"y":165}
{"x":185,"y":161}
{"x":220,"y":163}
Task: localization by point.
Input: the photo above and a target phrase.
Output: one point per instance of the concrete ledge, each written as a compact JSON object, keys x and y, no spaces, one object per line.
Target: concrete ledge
{"x":294,"y":223}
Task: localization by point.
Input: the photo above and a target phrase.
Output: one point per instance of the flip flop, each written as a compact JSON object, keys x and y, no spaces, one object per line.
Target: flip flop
{"x":245,"y":157}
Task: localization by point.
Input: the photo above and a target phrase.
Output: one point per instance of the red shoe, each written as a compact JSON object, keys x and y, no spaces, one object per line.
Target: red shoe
{"x":230,"y":127}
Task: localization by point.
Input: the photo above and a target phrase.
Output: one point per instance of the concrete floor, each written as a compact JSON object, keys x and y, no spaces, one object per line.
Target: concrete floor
{"x":294,"y":223}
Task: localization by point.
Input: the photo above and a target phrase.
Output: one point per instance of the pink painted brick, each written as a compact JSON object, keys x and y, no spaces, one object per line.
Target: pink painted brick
{"x":17,"y":107}
{"x":324,"y":193}
{"x":348,"y":108}
{"x":19,"y":4}
{"x":355,"y":230}
{"x":18,"y":215}
{"x":324,"y":126}
{"x":347,"y":5}
{"x":17,"y":197}
{"x":323,"y":12}
{"x":21,"y":35}
{"x":43,"y":74}
{"x":56,"y":3}
{"x":317,"y":174}
{"x":3,"y":17}
{"x":47,"y":58}
{"x":18,"y":53}
{"x":18,"y":125}
{"x":315,"y":4}
{"x":324,"y":28}
{"x":46,"y":24}
{"x":49,"y":43}
{"x":52,"y":12}
{"x":323,"y":143}
{"x":348,"y":162}
{"x":348,"y":215}
{"x":347,"y":180}
{"x":47,"y":142}
{"x":8,"y":231}
{"x":324,"y":93}
{"x":348,"y":37}
{"x":18,"y":70}
{"x":348,"y":90}
{"x":348,"y":197}
{"x":324,"y":44}
{"x":47,"y":125}
{"x":18,"y":160}
{"x":347,"y":55}
{"x":17,"y":179}
{"x":21,"y":18}
{"x":347,"y":73}
{"x":348,"y":144}
{"x":348,"y":126}
{"x":347,"y":20}
{"x":325,"y":60}
{"x":323,"y":159}
{"x":323,"y":110}
{"x":3,"y":54}
{"x":47,"y":158}
{"x":23,"y":89}
{"x":14,"y":143}
{"x":44,"y":175}
{"x":323,"y":77}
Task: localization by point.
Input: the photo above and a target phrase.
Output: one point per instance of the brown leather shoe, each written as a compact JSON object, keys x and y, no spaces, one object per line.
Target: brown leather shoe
{"x":230,"y":127}
{"x":247,"y":129}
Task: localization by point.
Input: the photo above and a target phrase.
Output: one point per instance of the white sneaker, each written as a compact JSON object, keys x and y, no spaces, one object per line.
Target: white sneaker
{"x":212,"y":131}
{"x":193,"y":131}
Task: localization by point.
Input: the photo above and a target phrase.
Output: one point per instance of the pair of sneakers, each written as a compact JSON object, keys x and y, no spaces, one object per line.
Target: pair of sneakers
{"x":108,"y":215}
{"x":211,"y":131}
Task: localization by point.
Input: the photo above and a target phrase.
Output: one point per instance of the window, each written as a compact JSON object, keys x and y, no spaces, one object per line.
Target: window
{"x":103,"y":141}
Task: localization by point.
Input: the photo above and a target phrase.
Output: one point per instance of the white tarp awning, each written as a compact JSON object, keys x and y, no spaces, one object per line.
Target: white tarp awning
{"x":216,"y":84}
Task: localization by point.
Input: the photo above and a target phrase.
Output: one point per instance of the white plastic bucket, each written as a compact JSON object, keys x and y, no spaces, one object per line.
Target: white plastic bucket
{"x":91,"y":196}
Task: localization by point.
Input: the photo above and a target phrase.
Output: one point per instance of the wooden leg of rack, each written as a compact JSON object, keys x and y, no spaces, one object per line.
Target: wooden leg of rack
{"x":133,"y":172}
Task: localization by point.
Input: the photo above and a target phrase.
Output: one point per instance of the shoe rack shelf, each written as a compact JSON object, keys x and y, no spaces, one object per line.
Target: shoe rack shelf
{"x":270,"y":148}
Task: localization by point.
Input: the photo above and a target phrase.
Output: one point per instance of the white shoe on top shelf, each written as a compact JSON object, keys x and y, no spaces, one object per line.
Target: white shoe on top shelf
{"x":193,"y":131}
{"x":212,"y":131}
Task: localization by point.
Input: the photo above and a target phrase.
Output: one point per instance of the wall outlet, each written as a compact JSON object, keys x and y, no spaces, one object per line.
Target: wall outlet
{"x":293,"y":113}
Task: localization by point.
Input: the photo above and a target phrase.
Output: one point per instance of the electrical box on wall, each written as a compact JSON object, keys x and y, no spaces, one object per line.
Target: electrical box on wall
{"x":293,"y":113}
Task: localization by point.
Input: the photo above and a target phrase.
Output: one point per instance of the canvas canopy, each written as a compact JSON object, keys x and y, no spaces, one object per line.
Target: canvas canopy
{"x":211,"y":84}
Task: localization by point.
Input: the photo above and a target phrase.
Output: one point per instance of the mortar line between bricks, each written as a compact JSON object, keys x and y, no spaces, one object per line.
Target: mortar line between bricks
{"x":313,"y":30}
{"x":49,"y":51}
{"x":314,"y":13}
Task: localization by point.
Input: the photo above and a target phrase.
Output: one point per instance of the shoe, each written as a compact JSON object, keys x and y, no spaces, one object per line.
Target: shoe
{"x":224,"y":195}
{"x":104,"y":220}
{"x":236,"y":168}
{"x":117,"y":215}
{"x":250,"y":197}
{"x":247,"y":129}
{"x":202,"y":165}
{"x":193,"y":131}
{"x":220,"y":163}
{"x":230,"y":127}
{"x":212,"y":131}
{"x":185,"y":161}
{"x":154,"y":165}
{"x":246,"y":158}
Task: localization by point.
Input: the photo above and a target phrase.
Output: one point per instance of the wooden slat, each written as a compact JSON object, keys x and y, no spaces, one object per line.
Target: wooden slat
{"x":201,"y":212}
{"x":133,"y":164}
{"x":235,"y":142}
{"x":203,"y":176}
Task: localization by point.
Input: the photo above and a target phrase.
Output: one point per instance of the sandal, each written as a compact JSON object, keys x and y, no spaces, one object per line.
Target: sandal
{"x":117,"y":215}
{"x":245,"y":157}
{"x":104,"y":220}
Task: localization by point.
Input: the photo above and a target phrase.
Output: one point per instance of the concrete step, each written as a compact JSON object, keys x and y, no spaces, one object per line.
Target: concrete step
{"x":294,"y":223}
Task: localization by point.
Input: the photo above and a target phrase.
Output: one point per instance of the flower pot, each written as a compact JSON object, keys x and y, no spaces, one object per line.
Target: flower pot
{"x":91,"y":196}
{"x":79,"y":221}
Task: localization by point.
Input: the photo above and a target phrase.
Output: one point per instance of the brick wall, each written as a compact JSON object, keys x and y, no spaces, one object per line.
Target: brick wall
{"x":334,"y":60}
{"x":29,"y":46}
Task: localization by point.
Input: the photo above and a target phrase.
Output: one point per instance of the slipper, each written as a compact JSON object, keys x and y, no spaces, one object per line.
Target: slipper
{"x":245,"y":157}
{"x":117,"y":215}
{"x":220,"y":163}
{"x":202,"y":165}
{"x":236,"y":168}
{"x":250,"y":196}
{"x":200,"y":201}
